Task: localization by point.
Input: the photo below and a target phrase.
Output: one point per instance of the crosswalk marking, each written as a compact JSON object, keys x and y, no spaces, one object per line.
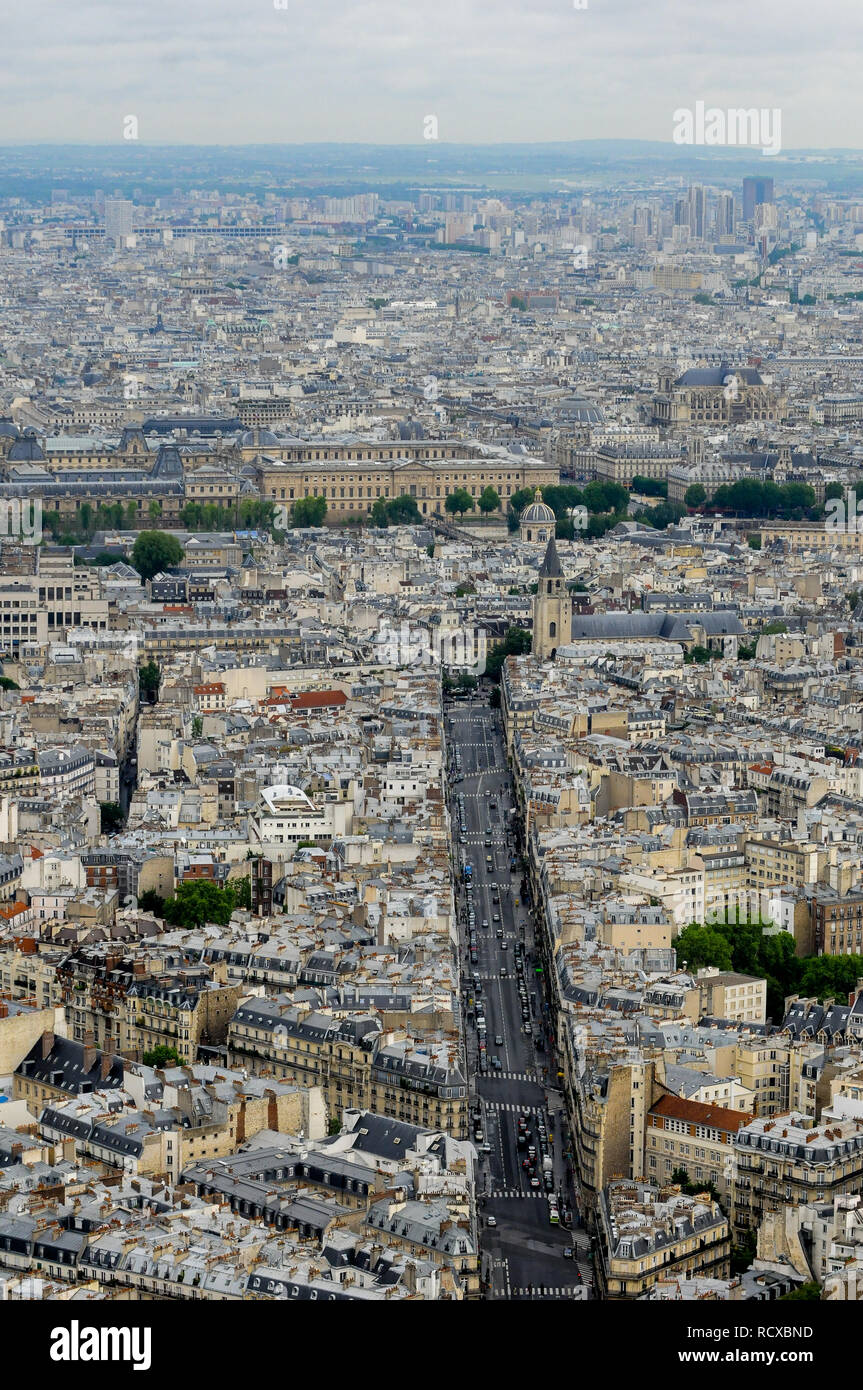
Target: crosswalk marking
{"x":511,"y":1192}
{"x":544,"y":1291}
{"x":510,"y":1076}
{"x":512,"y":1107}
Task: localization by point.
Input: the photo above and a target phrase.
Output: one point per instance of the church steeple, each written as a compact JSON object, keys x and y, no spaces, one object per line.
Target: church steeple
{"x":552,"y":606}
{"x":550,"y":567}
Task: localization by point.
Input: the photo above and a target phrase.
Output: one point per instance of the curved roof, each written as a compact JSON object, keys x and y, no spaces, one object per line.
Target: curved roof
{"x":257,"y":438}
{"x":537,"y":510}
{"x":580,"y":410}
{"x":27,"y":447}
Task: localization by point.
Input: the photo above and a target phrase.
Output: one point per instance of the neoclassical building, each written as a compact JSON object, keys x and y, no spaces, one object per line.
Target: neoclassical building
{"x":537,"y":521}
{"x":353,"y":476}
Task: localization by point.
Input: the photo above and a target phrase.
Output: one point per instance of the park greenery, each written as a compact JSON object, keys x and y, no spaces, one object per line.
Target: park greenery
{"x":745,"y":946}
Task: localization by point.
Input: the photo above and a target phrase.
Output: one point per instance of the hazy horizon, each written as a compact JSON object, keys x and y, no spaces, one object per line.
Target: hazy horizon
{"x":370,"y":73}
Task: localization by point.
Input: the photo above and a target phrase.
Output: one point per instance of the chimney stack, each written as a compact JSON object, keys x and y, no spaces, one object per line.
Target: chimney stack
{"x":47,"y":1043}
{"x":105,"y":1064}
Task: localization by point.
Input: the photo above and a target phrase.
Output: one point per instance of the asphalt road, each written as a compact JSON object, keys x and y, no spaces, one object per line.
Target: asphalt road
{"x":523,"y":1253}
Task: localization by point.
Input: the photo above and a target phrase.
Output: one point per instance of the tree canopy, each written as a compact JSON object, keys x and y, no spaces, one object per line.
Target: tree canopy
{"x":199,"y":900}
{"x":154,"y":551}
{"x":459,"y":501}
{"x":308,"y":511}
{"x":395,"y":511}
{"x":516,"y":642}
{"x":746,"y":947}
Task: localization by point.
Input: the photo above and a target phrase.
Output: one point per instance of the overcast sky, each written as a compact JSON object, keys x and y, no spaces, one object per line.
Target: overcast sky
{"x":242,"y":71}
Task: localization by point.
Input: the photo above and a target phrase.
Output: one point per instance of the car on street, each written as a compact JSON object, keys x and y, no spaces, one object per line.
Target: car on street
{"x":534,"y":1182}
{"x":567,"y":1252}
{"x":491,"y":1221}
{"x":498,"y":1041}
{"x":496,"y":1063}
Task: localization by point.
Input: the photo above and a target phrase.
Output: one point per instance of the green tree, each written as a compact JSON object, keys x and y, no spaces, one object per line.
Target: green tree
{"x":154,"y":509}
{"x":197,"y":726}
{"x":743,"y":1254}
{"x":395,"y":511}
{"x":561,"y":497}
{"x":489,"y":500}
{"x":110,"y":817}
{"x":149,"y":680}
{"x":697,"y":655}
{"x":308,"y":511}
{"x":806,"y":1293}
{"x":834,"y":491}
{"x":154,"y":551}
{"x":199,"y":900}
{"x":695,"y":495}
{"x":242,"y":890}
{"x":459,"y":501}
{"x":6,"y":683}
{"x":516,"y":642}
{"x":520,"y":499}
{"x":703,"y":945}
{"x":605,"y":497}
{"x":150,"y":901}
{"x":830,"y":977}
{"x":162,"y":1056}
{"x":651,"y":487}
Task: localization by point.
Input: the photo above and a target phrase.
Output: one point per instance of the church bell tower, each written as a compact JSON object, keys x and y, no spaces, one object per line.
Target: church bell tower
{"x":552,"y":607}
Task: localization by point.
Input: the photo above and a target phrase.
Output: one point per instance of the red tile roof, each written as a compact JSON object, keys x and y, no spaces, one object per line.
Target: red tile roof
{"x":319,"y":699}
{"x":695,"y":1112}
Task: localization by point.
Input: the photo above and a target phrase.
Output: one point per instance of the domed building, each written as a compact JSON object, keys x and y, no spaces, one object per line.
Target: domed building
{"x":257,"y":438}
{"x":537,"y":521}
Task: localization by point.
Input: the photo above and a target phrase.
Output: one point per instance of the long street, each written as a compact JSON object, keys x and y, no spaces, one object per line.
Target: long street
{"x":516,"y":1113}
